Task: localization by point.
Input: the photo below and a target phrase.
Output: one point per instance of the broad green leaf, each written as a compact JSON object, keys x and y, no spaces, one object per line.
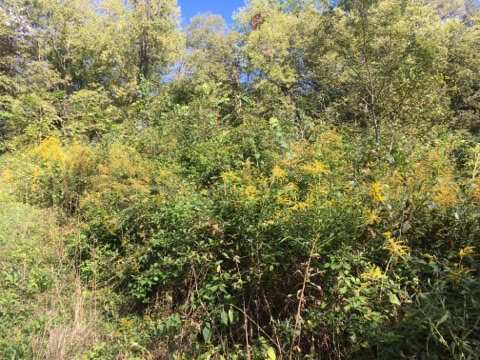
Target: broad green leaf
{"x":231,"y":316}
{"x":443,"y":319}
{"x":207,"y":333}
{"x":271,"y":354}
{"x":224,"y":317}
{"x":393,"y":299}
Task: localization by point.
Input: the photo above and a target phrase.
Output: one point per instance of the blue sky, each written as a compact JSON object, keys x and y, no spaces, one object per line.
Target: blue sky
{"x":225,"y":8}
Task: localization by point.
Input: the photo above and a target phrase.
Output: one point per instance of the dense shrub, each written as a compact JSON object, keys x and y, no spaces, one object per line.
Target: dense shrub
{"x":304,"y":186}
{"x":312,"y":247}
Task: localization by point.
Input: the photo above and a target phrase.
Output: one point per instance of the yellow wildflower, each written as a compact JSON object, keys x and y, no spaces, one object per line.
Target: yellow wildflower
{"x":288,"y":194}
{"x":50,"y":150}
{"x":292,"y":187}
{"x":301,"y":206}
{"x":35,"y":173}
{"x":469,"y":250}
{"x":396,"y":248}
{"x":314,"y":191}
{"x":278,"y":173}
{"x":250,"y":192}
{"x":7,"y":175}
{"x":373,"y":217}
{"x":315,"y":168}
{"x":445,"y":192}
{"x":459,"y":271}
{"x":374,"y":274}
{"x":229,"y":176}
{"x":283,"y":200}
{"x":126,"y":322}
{"x":377,"y":192}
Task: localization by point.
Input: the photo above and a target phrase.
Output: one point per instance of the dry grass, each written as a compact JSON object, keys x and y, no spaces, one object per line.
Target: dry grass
{"x":72,"y":325}
{"x":32,"y":248}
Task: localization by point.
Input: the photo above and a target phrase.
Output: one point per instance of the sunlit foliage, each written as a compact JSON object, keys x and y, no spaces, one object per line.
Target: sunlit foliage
{"x":305,"y":185}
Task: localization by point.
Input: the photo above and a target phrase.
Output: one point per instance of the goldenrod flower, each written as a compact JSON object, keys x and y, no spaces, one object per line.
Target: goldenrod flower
{"x":315,"y":168}
{"x":374,"y":274}
{"x":50,"y":150}
{"x":373,"y":217}
{"x":292,"y":187}
{"x":229,"y":176}
{"x":250,"y":192}
{"x":301,"y":206}
{"x":35,"y":173}
{"x":283,"y":200}
{"x":445,"y":192}
{"x":466,"y":251}
{"x":396,"y":248}
{"x":7,"y":175}
{"x":278,"y":173}
{"x":377,"y":193}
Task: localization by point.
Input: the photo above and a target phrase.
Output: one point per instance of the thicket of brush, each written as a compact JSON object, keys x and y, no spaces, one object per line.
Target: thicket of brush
{"x":304,"y":186}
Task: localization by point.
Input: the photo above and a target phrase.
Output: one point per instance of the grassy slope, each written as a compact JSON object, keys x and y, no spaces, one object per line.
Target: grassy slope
{"x":44,"y":313}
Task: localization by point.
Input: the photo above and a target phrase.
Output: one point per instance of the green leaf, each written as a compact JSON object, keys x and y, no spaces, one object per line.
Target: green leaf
{"x":443,"y":319}
{"x":271,"y":354}
{"x":231,"y":316}
{"x":224,"y":317}
{"x":207,"y":332}
{"x":393,"y":299}
{"x":274,"y":122}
